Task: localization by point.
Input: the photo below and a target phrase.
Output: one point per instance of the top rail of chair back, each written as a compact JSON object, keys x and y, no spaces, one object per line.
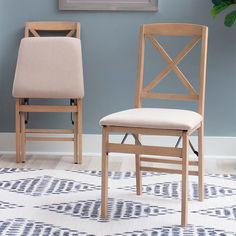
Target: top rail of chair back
{"x":52,"y":26}
{"x":173,"y":29}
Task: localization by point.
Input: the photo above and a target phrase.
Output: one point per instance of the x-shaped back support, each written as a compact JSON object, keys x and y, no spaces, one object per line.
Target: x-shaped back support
{"x":172,"y":64}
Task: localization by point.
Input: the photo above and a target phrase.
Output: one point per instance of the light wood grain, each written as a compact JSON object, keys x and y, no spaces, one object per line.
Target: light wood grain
{"x":17,"y":127}
{"x":184,"y":207}
{"x":34,"y":32}
{"x":144,"y":131}
{"x":201,"y":162}
{"x":175,"y":68}
{"x":147,"y":150}
{"x":139,"y":84}
{"x":170,"y":96}
{"x":138,"y":169}
{"x":47,"y":108}
{"x":51,"y":26}
{"x":173,"y":29}
{"x":168,"y":161}
{"x":23,"y":138}
{"x":48,"y":139}
{"x":176,"y":61}
{"x":71,"y":33}
{"x":60,"y":131}
{"x":76,"y":135}
{"x":80,"y":129}
{"x":166,"y":170}
{"x":104,"y":192}
{"x":202,"y":83}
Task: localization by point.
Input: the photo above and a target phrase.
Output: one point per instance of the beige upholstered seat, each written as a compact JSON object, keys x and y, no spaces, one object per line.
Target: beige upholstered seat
{"x":154,"y":118}
{"x":49,"y":67}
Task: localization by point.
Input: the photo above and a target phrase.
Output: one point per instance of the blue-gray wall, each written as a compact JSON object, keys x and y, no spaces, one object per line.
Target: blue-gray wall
{"x":110,"y":43}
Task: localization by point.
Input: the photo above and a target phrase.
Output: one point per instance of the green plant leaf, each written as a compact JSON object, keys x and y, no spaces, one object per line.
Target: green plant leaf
{"x":213,"y":12}
{"x":220,"y":7}
{"x":230,"y":18}
{"x":216,"y":2}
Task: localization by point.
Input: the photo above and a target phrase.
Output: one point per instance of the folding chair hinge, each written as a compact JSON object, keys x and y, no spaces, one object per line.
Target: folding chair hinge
{"x":134,"y":136}
{"x":72,"y":102}
{"x":190,"y":144}
{"x":26,"y":102}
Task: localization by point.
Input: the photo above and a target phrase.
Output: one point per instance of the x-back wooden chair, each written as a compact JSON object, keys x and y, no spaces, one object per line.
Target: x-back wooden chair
{"x":155,"y":121}
{"x":68,"y":49}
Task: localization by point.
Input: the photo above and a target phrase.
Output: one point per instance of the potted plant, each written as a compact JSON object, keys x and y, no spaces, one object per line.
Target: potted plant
{"x":219,"y":6}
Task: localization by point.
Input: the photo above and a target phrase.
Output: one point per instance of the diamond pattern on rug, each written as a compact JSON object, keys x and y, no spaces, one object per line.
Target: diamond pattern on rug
{"x":117,"y":174}
{"x":173,"y":190}
{"x":23,"y":227}
{"x":8,"y":205}
{"x":14,"y":170}
{"x":59,"y":202}
{"x":46,"y":185}
{"x":190,"y":230}
{"x":117,"y":209}
{"x":224,"y":176}
{"x":227,"y":212}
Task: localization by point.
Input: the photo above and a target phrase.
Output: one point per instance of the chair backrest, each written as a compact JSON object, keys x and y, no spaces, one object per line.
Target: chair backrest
{"x":147,"y":31}
{"x":34,"y":78}
{"x":71,"y":28}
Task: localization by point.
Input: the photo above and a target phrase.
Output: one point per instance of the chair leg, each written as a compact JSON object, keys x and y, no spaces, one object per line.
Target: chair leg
{"x":104,"y":194}
{"x":76,"y":136}
{"x":184,"y":210}
{"x":80,"y":129}
{"x":138,"y":172}
{"x":23,"y":135}
{"x":138,"y":175}
{"x":201,"y":163}
{"x":17,"y":130}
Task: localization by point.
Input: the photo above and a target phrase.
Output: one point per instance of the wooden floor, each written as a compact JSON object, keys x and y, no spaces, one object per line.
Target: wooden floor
{"x":116,"y":163}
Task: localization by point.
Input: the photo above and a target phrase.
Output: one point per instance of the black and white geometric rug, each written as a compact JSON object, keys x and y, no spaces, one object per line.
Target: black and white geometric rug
{"x":57,"y":202}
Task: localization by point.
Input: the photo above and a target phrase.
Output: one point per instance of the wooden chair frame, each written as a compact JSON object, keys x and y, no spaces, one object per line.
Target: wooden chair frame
{"x":22,"y":108}
{"x":199,"y":32}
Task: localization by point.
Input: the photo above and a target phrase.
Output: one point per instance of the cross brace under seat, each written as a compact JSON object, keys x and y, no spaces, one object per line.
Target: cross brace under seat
{"x":26,"y":101}
{"x":176,"y":145}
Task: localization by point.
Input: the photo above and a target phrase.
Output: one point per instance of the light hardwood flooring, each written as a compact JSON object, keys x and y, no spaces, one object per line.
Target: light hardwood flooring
{"x":116,"y":163}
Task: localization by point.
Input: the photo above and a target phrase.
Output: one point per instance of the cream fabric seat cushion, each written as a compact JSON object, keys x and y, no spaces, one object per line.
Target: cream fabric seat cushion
{"x":154,"y":118}
{"x":49,"y":67}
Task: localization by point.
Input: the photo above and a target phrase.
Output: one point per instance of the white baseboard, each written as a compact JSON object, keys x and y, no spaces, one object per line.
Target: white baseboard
{"x":215,"y":147}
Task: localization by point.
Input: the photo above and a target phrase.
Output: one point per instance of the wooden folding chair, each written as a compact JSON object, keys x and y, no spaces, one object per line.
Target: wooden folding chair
{"x":34,"y":58}
{"x":155,"y":121}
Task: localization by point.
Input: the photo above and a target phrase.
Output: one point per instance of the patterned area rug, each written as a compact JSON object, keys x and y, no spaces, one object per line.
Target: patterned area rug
{"x":57,"y":202}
